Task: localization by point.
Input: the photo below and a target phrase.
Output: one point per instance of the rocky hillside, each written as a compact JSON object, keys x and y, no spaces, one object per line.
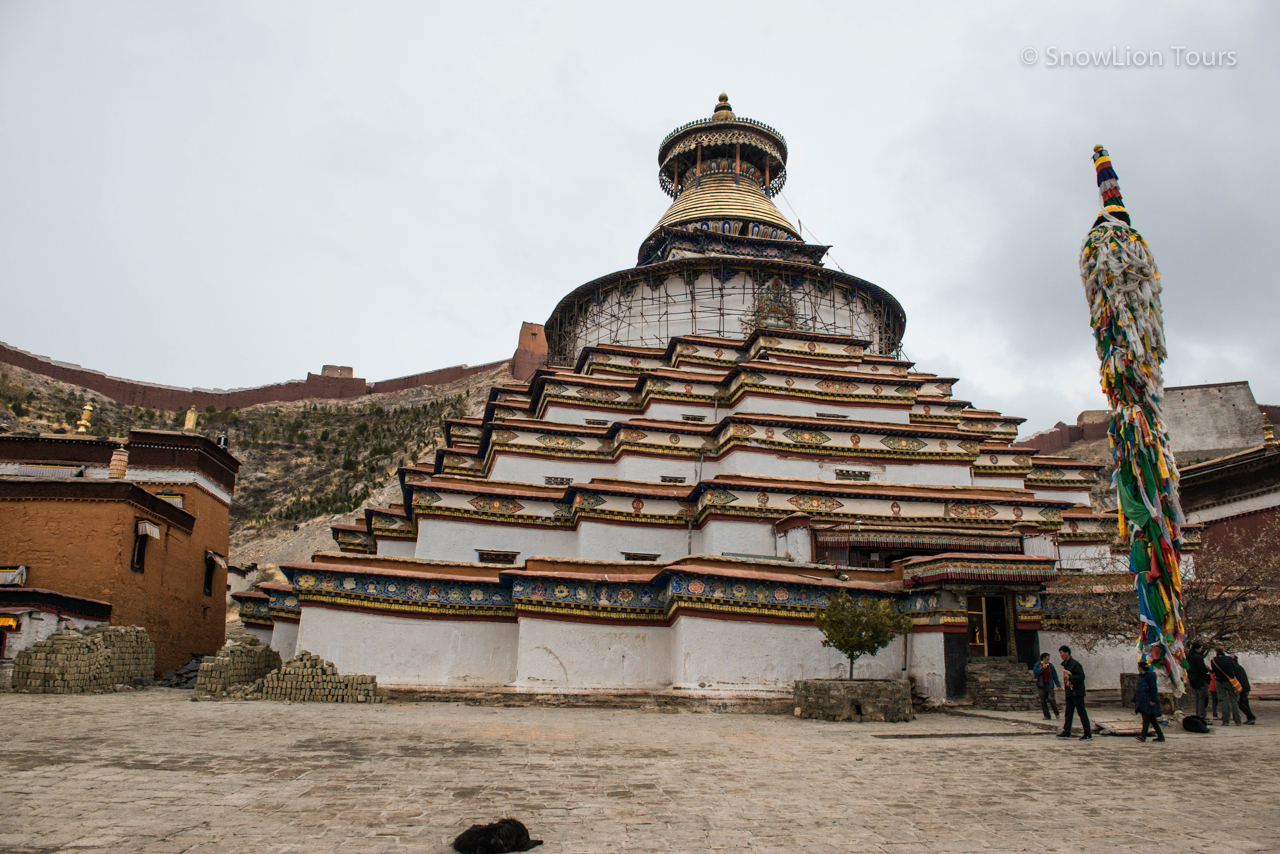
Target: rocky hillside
{"x":303,"y":464}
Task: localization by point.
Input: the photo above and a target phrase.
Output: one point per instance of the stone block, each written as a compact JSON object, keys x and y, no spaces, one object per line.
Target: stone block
{"x":854,"y":699}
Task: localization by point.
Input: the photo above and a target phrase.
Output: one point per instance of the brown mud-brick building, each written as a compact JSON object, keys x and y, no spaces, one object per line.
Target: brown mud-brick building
{"x":141,"y":523}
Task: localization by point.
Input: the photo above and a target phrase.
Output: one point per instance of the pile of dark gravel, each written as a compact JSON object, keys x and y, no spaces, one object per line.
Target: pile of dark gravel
{"x":182,"y":677}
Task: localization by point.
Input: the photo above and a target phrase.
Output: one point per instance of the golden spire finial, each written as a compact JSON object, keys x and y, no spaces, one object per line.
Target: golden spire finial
{"x":1268,"y":433}
{"x":193,"y":418}
{"x":86,"y":418}
{"x":723,"y":112}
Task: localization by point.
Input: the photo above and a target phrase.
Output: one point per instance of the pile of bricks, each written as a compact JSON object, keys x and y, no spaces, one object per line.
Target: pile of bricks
{"x":75,"y":662}
{"x":236,"y":664}
{"x":133,"y":655}
{"x":310,"y":679}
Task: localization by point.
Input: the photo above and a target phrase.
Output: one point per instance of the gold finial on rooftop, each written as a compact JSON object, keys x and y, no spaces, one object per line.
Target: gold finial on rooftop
{"x":723,"y":112}
{"x":1268,"y":433}
{"x":1098,"y":147}
{"x":192,"y":418}
{"x":86,"y":418}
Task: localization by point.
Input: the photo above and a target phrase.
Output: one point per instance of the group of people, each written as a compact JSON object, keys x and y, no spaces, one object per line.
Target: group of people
{"x":1223,"y":679}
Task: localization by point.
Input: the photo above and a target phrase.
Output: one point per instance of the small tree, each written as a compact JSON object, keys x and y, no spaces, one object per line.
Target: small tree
{"x":859,"y":629}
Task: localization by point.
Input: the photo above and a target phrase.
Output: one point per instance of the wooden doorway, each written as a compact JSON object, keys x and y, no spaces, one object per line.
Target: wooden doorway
{"x":988,"y":626}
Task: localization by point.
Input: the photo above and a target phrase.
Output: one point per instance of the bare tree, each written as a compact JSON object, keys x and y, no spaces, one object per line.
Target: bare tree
{"x":1230,"y":595}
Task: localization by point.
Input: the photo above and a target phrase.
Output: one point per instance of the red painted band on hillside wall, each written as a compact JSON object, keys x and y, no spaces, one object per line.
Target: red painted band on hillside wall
{"x":155,"y":396}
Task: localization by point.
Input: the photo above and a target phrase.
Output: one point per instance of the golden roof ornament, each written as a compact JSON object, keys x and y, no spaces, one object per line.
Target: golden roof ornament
{"x":723,"y":112}
{"x":86,"y":418}
{"x":192,"y":418}
{"x":1268,"y":432}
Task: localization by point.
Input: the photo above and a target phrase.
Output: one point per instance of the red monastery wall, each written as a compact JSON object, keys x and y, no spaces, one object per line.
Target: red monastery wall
{"x":154,"y":396}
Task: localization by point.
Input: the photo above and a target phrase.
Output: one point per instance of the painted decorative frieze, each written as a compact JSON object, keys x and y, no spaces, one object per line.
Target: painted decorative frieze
{"x":815,"y":503}
{"x":564,"y":442}
{"x":903,"y":443}
{"x":807,"y":437}
{"x":487,"y":504}
{"x":971,"y":511}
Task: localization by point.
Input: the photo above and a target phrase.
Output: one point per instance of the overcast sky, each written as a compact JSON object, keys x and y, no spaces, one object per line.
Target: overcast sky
{"x":232,"y":194}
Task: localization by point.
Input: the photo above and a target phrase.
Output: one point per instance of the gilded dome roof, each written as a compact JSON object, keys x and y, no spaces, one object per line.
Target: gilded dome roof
{"x":720,"y":197}
{"x":722,"y":173}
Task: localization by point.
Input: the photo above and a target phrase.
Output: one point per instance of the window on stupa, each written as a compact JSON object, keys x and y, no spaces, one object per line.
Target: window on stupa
{"x":671,"y":478}
{"x":487,"y":556}
{"x":638,"y":556}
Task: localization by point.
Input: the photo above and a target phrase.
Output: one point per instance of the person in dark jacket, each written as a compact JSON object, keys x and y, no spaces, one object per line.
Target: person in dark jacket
{"x":1146,"y":701}
{"x":1046,"y":681}
{"x":1198,"y":677}
{"x":1074,"y":690}
{"x":1245,"y":688}
{"x":1224,"y":667}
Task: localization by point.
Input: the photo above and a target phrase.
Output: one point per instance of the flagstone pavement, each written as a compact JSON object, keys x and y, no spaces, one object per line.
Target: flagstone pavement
{"x":151,"y":771}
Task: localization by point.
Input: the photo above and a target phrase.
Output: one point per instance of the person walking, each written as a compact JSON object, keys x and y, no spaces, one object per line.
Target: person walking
{"x":1046,"y":681}
{"x":1074,"y":690}
{"x":1243,"y":700}
{"x":1198,"y":678}
{"x":1224,"y":667}
{"x":1146,"y":701}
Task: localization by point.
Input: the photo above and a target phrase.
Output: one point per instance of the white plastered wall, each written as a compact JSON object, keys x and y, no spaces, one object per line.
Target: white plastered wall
{"x":508,"y":467}
{"x":408,"y":651}
{"x":449,"y":539}
{"x":557,"y":654}
{"x":284,"y":639}
{"x":710,"y":654}
{"x":397,"y":548}
{"x":722,"y":536}
{"x":604,"y":541}
{"x":928,"y":664}
{"x":262,"y":633}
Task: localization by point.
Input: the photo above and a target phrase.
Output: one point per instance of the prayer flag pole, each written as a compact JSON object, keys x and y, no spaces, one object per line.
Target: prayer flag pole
{"x":1122,"y":285}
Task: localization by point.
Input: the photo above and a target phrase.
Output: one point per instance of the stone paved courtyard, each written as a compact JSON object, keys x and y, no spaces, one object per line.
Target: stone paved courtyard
{"x":154,"y":772}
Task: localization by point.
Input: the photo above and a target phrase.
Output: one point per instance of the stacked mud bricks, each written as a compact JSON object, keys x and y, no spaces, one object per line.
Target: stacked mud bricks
{"x":237,"y":664}
{"x":310,"y":679}
{"x":95,"y":660}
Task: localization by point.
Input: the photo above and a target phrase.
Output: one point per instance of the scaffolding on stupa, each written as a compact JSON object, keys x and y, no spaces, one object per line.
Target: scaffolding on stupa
{"x":721,"y":300}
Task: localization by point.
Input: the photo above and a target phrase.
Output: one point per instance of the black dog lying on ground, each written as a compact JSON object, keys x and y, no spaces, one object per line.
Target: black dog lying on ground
{"x":498,"y":838}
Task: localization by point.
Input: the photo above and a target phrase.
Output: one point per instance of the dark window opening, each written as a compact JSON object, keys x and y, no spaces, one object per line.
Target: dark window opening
{"x":671,"y":478}
{"x":838,"y":554}
{"x":597,"y":422}
{"x":852,"y":474}
{"x":557,"y":481}
{"x":694,"y":417}
{"x":507,"y":558}
{"x":209,"y":566}
{"x":138,"y":562}
{"x":639,"y":556}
